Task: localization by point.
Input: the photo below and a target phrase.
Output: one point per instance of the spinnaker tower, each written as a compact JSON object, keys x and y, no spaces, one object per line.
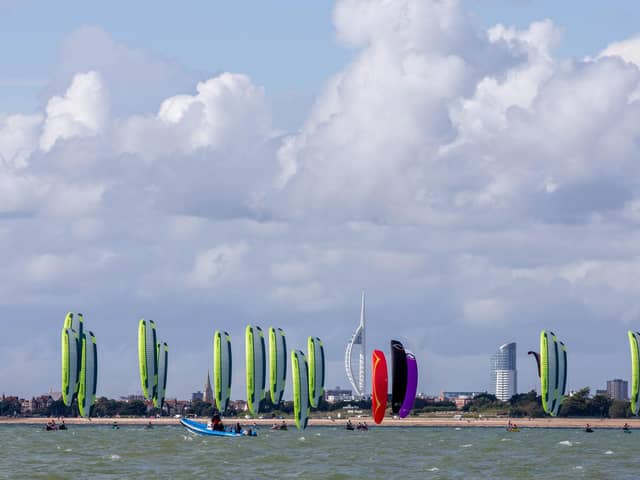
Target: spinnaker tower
{"x":358,"y":339}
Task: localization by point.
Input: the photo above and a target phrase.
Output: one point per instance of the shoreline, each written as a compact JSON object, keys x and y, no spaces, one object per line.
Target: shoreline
{"x":425,"y":422}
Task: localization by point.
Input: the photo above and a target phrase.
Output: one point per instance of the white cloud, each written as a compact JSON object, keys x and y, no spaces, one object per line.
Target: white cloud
{"x":18,"y":138}
{"x":227,"y":110}
{"x":82,"y":111}
{"x":461,"y":177}
{"x":628,"y":50}
{"x":217,"y":265}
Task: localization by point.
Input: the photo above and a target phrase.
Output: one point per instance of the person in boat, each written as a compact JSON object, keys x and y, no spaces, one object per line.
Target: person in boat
{"x":148,"y":426}
{"x":216,"y":423}
{"x":62,"y":426}
{"x":115,"y":426}
{"x":283,"y":425}
{"x":349,"y":425}
{"x":238,"y":428}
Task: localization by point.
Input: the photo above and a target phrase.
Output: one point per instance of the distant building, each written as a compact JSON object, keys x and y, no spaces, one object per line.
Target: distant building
{"x":460,"y":399}
{"x":449,"y":396}
{"x":338,"y":395}
{"x":601,"y":392}
{"x":25,"y":405}
{"x":132,"y":398}
{"x":618,"y":389}
{"x":197,"y":396}
{"x":504,"y":376}
{"x":238,"y":405}
{"x":208,"y":391}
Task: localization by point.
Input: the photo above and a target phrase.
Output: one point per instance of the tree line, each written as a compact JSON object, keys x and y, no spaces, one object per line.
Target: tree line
{"x":580,"y":404}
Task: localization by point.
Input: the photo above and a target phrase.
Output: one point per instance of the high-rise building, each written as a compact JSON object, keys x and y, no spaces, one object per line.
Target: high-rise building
{"x":196,"y":396}
{"x":358,"y":384}
{"x":618,"y":389}
{"x":208,"y":391}
{"x":504,"y":376}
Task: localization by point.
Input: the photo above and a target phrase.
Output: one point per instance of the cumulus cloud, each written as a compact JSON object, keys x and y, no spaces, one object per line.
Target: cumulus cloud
{"x":82,"y":111}
{"x":628,"y":50}
{"x":227,"y":110}
{"x":475,"y":184}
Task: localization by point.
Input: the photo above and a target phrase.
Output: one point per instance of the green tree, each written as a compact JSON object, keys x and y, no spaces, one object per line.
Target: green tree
{"x":577,"y":405}
{"x":10,"y":406}
{"x":620,"y":409}
{"x":599,"y":405}
{"x":135,"y":408}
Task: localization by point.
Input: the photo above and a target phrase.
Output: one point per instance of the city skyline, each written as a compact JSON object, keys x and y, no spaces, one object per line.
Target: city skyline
{"x":469,"y":164}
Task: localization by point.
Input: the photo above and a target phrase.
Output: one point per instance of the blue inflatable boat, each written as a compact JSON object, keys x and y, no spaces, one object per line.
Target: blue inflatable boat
{"x":201,"y":428}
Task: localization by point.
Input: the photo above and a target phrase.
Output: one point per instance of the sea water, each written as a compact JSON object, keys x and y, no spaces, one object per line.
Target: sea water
{"x":99,"y":452}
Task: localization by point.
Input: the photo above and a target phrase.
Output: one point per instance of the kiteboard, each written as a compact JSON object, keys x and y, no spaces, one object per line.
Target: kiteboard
{"x":201,"y":428}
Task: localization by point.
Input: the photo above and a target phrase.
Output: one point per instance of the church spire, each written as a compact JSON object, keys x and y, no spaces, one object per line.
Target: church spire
{"x":208,"y":391}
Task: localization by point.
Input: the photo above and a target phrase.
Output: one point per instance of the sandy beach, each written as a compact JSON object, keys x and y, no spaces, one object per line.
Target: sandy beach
{"x":634,"y":423}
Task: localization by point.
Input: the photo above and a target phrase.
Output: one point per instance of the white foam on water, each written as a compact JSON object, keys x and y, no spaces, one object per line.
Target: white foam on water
{"x":608,"y":452}
{"x":434,"y":469}
{"x":68,"y":450}
{"x":578,"y":467}
{"x":566,"y":442}
{"x":317,"y":434}
{"x":188,"y":438}
{"x":505,"y":439}
{"x":115,"y":457}
{"x":466,"y":445}
{"x":457,"y":428}
{"x":302,"y":439}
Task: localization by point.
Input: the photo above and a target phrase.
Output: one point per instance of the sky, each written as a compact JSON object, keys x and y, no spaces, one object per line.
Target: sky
{"x":471,"y":165}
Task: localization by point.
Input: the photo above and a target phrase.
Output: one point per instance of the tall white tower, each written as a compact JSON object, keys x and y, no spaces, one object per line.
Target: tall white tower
{"x":358,"y":338}
{"x":504,"y":376}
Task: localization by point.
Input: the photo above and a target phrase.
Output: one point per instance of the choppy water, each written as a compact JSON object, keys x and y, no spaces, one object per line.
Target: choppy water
{"x":98,"y":452}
